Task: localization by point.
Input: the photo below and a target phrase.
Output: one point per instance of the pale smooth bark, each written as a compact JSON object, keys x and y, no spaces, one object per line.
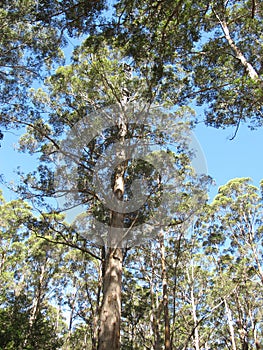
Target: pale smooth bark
{"x":190,"y":277}
{"x":167,"y":335}
{"x":154,"y":317}
{"x":238,"y":53}
{"x":36,"y":301}
{"x":253,"y":325}
{"x":230,"y":325}
{"x":255,"y":253}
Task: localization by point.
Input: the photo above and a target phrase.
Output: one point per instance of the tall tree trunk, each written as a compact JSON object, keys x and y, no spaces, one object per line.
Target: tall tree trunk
{"x":110,"y":313}
{"x":253,"y":325}
{"x":154,"y":317}
{"x":175,"y":278}
{"x":230,"y":325}
{"x":167,"y":336}
{"x":95,"y":327}
{"x":72,"y":304}
{"x":36,"y":302}
{"x":193,"y":304}
{"x":256,"y":254}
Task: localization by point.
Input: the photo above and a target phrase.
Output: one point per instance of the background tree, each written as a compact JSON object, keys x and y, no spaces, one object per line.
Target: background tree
{"x":199,"y":287}
{"x":27,"y":317}
{"x":231,"y":234}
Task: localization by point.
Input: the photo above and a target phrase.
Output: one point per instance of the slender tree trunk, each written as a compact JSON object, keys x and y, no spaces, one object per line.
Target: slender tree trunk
{"x":154,"y":317}
{"x":156,"y":322}
{"x":72,"y":312}
{"x":167,"y":336}
{"x":37,"y":298}
{"x":196,"y":332}
{"x":2,"y":262}
{"x":95,"y":328}
{"x":242,"y":322}
{"x":238,"y":53}
{"x":253,"y":325}
{"x":256,"y":256}
{"x":230,"y":325}
{"x":174,"y":293}
{"x":36,"y":302}
{"x":193,"y":304}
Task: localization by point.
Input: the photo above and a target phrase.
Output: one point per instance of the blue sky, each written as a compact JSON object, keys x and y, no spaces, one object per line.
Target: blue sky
{"x":226,"y":159}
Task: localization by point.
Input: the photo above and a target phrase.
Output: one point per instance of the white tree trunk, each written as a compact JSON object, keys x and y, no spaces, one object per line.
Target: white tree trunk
{"x":230,"y":325}
{"x":238,"y":54}
{"x":167,"y":336}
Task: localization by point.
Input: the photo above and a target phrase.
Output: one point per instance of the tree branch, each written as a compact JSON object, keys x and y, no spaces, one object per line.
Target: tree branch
{"x":239,"y":55}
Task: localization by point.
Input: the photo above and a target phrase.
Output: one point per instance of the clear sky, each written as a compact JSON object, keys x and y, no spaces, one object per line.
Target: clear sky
{"x":227,"y":159}
{"x":241,"y":157}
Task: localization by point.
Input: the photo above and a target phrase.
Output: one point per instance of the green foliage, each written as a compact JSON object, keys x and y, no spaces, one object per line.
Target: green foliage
{"x":216,"y":262}
{"x":15,"y":326}
{"x":168,"y":53}
{"x":206,"y":51}
{"x":230,"y":93}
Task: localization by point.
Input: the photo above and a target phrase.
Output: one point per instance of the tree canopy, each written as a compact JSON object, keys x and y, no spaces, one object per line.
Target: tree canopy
{"x":148,"y":263}
{"x":204,"y":52}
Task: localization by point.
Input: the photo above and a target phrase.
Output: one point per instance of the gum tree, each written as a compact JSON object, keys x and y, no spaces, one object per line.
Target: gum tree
{"x":27,"y":269}
{"x":163,"y":52}
{"x":76,"y":95}
{"x":231,"y":232}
